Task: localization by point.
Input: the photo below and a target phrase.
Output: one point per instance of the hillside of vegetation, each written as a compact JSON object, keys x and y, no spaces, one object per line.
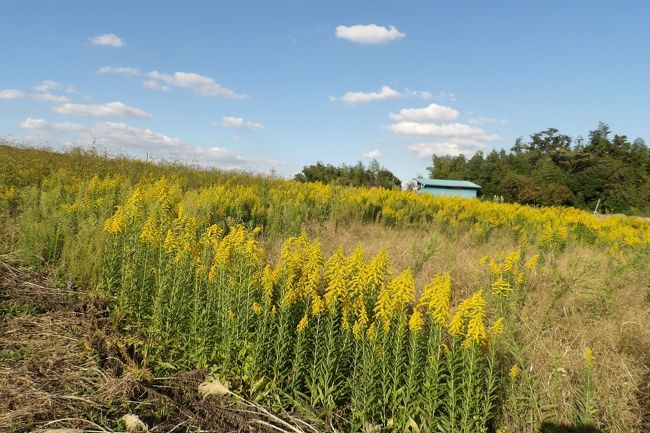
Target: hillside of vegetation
{"x":552,"y":169}
{"x":351,"y":309}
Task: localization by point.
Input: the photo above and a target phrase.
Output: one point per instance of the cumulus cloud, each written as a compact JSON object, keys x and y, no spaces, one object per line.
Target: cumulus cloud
{"x":435,"y":129}
{"x":156,"y":85}
{"x":111,"y":109}
{"x":353,"y":98}
{"x":41,"y":126}
{"x":119,"y":70}
{"x":444,"y":134}
{"x":385,"y":92}
{"x":11,"y":94}
{"x":107,"y":40}
{"x":238,"y":122}
{"x":368,"y":34}
{"x":198,"y":84}
{"x":432,"y":112}
{"x":373,"y":154}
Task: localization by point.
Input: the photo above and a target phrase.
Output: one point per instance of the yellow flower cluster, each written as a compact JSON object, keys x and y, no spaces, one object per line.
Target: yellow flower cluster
{"x":508,"y":272}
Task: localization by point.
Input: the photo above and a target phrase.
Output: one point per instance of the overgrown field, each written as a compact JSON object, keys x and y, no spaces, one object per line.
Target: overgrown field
{"x":355,"y":309}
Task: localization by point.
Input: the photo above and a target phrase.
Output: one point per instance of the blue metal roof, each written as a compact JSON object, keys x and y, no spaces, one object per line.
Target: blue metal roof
{"x":445,"y":183}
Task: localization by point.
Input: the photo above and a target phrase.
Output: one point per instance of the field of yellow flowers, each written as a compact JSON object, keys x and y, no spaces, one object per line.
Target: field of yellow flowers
{"x":450,"y":315}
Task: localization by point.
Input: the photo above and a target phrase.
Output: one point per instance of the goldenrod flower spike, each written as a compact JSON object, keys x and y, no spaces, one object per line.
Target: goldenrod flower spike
{"x":303,"y":323}
{"x":436,"y":296}
{"x":497,"y":328}
{"x":589,"y":357}
{"x":416,"y":322}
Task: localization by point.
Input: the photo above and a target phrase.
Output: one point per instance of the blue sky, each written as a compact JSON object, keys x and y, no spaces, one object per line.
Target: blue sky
{"x":282,"y":84}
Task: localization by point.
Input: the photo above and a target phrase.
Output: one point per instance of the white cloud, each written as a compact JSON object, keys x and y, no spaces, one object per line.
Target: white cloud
{"x":156,"y":85}
{"x":420,"y":94}
{"x":48,"y":86}
{"x":107,"y":40}
{"x":368,"y":34}
{"x":449,"y":147}
{"x":199,"y":84}
{"x":432,"y":112}
{"x":482,"y":120}
{"x":41,"y":126}
{"x":11,"y":94}
{"x":353,"y":98}
{"x":238,"y":122}
{"x":373,"y":154}
{"x":122,"y":138}
{"x":435,"y":130}
{"x":385,"y":92}
{"x":447,"y":96}
{"x":111,"y":109}
{"x":49,"y":97}
{"x":119,"y":70}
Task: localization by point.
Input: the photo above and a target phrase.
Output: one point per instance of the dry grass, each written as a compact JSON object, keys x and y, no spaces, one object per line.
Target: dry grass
{"x":64,"y":369}
{"x":582,"y":298}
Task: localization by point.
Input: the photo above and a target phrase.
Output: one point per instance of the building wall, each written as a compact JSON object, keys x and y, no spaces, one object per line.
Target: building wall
{"x":453,"y":192}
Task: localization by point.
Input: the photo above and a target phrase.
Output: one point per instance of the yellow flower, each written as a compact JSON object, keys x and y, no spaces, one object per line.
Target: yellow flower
{"x":230,"y":314}
{"x":531,"y":264}
{"x":497,"y":327}
{"x":457,"y":323}
{"x":511,"y":261}
{"x":416,"y":322}
{"x":520,"y":278}
{"x":501,"y":286}
{"x":371,"y":332}
{"x":257,"y":308}
{"x":149,"y":231}
{"x":268,"y":281}
{"x":476,"y":327}
{"x":170,"y":243}
{"x":334,"y":275}
{"x":514,"y":372}
{"x":115,"y":224}
{"x":495,"y":268}
{"x":436,"y":296}
{"x":589,"y":357}
{"x":10,"y":193}
{"x":303,"y":323}
{"x":378,"y":269}
{"x":316,"y":305}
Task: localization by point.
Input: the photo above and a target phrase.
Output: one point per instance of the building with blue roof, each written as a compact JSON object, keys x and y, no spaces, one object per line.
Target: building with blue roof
{"x":445,"y":187}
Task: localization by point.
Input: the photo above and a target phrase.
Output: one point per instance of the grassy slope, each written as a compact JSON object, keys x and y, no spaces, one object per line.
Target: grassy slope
{"x":581,"y":296}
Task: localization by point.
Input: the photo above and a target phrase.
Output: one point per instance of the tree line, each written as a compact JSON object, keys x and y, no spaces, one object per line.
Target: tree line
{"x":551,"y":168}
{"x":350,"y":175}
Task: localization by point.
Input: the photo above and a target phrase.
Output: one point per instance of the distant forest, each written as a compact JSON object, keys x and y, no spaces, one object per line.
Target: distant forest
{"x":350,"y":175}
{"x":554,"y":169}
